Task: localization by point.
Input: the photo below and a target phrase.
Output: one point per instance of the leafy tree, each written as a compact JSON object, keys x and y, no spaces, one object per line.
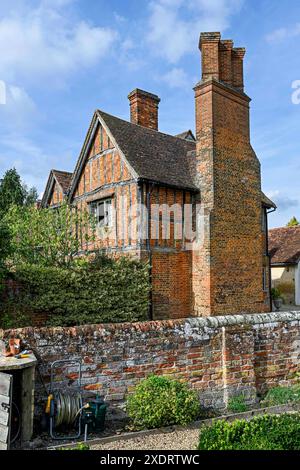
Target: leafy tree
{"x":31,"y":195}
{"x":293,"y":222}
{"x":11,"y":190}
{"x":14,"y":192}
{"x":48,"y":237}
{"x":5,"y":248}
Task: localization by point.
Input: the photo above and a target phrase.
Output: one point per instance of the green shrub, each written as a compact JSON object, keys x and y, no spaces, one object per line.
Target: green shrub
{"x":159,"y":401}
{"x":275,"y":293}
{"x":268,"y":432}
{"x":281,"y":395}
{"x":80,"y":446}
{"x":94,"y":292}
{"x":11,"y":319}
{"x":237,"y":404}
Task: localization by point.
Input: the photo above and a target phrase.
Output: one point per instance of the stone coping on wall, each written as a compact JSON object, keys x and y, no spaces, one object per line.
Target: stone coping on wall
{"x":187,"y":323}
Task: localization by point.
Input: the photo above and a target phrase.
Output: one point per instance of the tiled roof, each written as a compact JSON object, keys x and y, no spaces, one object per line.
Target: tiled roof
{"x":284,"y":245}
{"x":153,"y":155}
{"x":63,"y":178}
{"x":159,"y":157}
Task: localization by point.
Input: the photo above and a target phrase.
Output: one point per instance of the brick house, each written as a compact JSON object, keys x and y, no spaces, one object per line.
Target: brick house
{"x":127,"y":165}
{"x":284,"y":249}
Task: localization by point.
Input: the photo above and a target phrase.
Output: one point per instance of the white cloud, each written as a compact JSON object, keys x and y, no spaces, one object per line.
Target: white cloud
{"x":282,"y":201}
{"x":281,"y":34}
{"x":19,"y":110}
{"x":47,"y":44}
{"x":33,"y":160}
{"x":172,"y":34}
{"x":176,"y":78}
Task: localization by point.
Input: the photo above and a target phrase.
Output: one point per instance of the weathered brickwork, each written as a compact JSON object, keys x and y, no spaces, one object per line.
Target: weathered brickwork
{"x":144,"y":108}
{"x":228,"y":268}
{"x":218,"y":356}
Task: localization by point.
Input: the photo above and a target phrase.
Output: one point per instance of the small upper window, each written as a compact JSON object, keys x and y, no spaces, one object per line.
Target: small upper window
{"x":102,"y":211}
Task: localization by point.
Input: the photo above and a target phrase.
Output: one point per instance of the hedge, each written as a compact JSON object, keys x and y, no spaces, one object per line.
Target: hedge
{"x":267,"y":432}
{"x":97,"y":292}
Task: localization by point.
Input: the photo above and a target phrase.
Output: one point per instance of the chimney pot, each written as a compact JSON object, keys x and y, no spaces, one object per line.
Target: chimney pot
{"x":209,"y":47}
{"x":238,"y":54}
{"x":225,"y":51}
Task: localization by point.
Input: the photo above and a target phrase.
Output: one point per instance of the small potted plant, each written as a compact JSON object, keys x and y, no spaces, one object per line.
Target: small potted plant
{"x":277,"y":299}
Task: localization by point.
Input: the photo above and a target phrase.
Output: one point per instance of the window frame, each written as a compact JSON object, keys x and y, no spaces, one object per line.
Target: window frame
{"x":107,"y":213}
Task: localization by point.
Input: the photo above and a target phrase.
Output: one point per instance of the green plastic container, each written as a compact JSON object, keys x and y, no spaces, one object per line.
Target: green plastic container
{"x":98,"y":409}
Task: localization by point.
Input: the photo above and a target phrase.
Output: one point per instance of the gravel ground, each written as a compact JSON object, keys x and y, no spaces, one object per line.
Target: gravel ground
{"x":186,"y":439}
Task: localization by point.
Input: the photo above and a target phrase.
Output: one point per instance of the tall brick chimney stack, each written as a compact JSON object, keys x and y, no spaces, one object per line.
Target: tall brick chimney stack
{"x":228,"y":267}
{"x":144,"y":108}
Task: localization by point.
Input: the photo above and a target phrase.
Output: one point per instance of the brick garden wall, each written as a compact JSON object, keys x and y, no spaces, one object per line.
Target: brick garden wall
{"x":219,"y":356}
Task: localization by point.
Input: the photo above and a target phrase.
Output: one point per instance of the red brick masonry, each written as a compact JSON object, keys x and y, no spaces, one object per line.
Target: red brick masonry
{"x":219,"y":356}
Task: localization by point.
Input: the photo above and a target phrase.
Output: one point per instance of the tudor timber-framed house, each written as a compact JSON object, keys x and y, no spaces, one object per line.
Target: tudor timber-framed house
{"x":129,"y":163}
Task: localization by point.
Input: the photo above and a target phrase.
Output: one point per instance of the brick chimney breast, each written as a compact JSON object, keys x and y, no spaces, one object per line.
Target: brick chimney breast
{"x":227,"y":172}
{"x":144,"y":108}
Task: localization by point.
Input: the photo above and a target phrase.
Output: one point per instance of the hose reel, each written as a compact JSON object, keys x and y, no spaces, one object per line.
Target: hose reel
{"x":65,"y":407}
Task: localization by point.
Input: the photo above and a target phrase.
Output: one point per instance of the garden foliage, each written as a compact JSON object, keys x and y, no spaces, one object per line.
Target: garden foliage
{"x":159,"y":401}
{"x":267,"y":432}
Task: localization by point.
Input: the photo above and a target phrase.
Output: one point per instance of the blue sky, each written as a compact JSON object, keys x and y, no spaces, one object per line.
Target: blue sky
{"x":62,"y":59}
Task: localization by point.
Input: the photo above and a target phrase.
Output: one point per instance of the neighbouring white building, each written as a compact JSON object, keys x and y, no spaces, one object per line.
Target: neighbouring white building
{"x":284,"y":250}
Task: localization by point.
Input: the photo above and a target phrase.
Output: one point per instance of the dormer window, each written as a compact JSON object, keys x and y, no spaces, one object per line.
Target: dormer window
{"x":102,"y":211}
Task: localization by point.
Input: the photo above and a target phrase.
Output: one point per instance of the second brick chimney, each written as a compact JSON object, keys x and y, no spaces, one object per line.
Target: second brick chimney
{"x":144,"y":108}
{"x":229,"y":264}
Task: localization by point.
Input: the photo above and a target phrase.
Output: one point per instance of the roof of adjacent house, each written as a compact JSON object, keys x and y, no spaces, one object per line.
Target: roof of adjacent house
{"x":284,"y":245}
{"x":187,"y":135}
{"x":63,"y":178}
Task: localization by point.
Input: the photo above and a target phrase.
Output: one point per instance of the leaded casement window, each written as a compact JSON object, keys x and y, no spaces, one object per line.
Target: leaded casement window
{"x":102,"y":211}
